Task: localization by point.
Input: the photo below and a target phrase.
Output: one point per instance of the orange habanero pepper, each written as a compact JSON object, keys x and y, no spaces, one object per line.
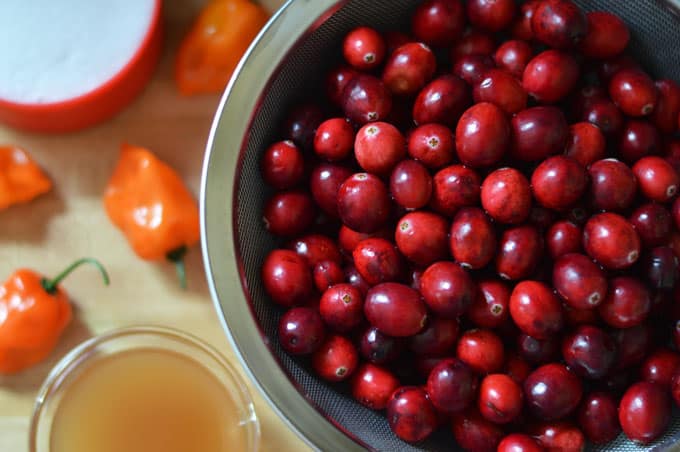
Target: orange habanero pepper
{"x":215,"y":44}
{"x":34,"y":311}
{"x":21,"y":179}
{"x":147,"y":200}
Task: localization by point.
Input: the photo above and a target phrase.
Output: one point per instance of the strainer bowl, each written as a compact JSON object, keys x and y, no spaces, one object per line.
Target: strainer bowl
{"x":290,"y":55}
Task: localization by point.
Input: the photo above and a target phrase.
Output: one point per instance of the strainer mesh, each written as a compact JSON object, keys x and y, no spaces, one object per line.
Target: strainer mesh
{"x":656,"y":40}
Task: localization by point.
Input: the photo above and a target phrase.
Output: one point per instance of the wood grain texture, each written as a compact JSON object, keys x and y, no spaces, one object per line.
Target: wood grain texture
{"x":70,"y":222}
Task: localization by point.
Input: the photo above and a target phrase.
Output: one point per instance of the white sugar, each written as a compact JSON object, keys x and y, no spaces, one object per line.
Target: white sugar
{"x":53,"y":50}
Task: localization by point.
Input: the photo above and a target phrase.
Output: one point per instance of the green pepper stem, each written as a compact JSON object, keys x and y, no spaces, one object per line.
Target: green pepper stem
{"x":50,"y":285}
{"x":177,"y":258}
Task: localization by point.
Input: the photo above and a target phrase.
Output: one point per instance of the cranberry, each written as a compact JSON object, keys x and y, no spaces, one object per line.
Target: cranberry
{"x":580,"y":282}
{"x":411,"y":414}
{"x":334,"y":139}
{"x":562,"y":238}
{"x":482,"y":135}
{"x":289,"y":213}
{"x":491,"y":15}
{"x":341,"y":307}
{"x":519,"y":442}
{"x":506,"y":196}
{"x":411,"y":184}
{"x":335,"y":82}
{"x":559,"y":182}
{"x":348,"y":239}
{"x":301,"y":125}
{"x":451,"y":386}
{"x":633,"y":344}
{"x":502,"y":89}
{"x":409,"y":68}
{"x":489,"y":308}
{"x":535,"y":309}
{"x":644,"y":412}
{"x":550,"y":76}
{"x":552,"y":392}
{"x":613,"y":184}
{"x":660,"y":366}
{"x":586,"y":143}
{"x":675,"y":388}
{"x":473,"y":42}
{"x":517,"y":368}
{"x":438,"y":22}
{"x":607,"y":35}
{"x":353,"y":277}
{"x":475,"y":433}
{"x":667,"y":108}
{"x":327,"y":274}
{"x":364,"y":48}
{"x":519,"y":251}
{"x":422,"y":237}
{"x":627,"y":303}
{"x":443,"y":101}
{"x":432,"y":145}
{"x":522,"y":29}
{"x":336,"y":359}
{"x":513,"y":56}
{"x":378,"y":147}
{"x":472,"y":68}
{"x":639,"y":139}
{"x":395,"y":309}
{"x":611,"y":240}
{"x":363,"y":202}
{"x":301,"y":331}
{"x":472,"y":238}
{"x":456,"y":186}
{"x":436,"y":339}
{"x":287,"y":278}
{"x":372,"y":386}
{"x":657,"y":179}
{"x":538,"y":132}
{"x":537,"y":351}
{"x":365,"y":99}
{"x":500,"y":398}
{"x":606,"y":69}
{"x":634,"y":92}
{"x":559,"y":436}
{"x":316,"y":248}
{"x":482,"y":350}
{"x":559,"y":23}
{"x":597,"y":418}
{"x":604,"y":114}
{"x":282,"y":165}
{"x":589,"y":352}
{"x":377,"y":347}
{"x":660,"y":266}
{"x":324,"y":181}
{"x":447,"y":289}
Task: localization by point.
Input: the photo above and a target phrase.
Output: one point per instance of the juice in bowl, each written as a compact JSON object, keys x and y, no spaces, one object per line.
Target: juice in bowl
{"x":143,"y":389}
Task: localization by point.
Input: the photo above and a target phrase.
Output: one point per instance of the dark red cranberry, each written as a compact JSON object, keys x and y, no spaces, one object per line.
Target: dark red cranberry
{"x":442,"y":101}
{"x":301,"y":124}
{"x":517,"y":368}
{"x":550,"y":76}
{"x":500,"y":398}
{"x":589,"y":352}
{"x":372,"y":386}
{"x":473,"y":42}
{"x":559,"y":436}
{"x":538,"y":132}
{"x":513,"y":57}
{"x":606,"y":69}
{"x":519,"y":251}
{"x":366,"y":99}
{"x":491,"y":15}
{"x":559,"y":182}
{"x":341,"y":307}
{"x":378,"y":147}
{"x":506,"y":196}
{"x":576,"y":317}
{"x":353,"y":277}
{"x":627,"y":303}
{"x":363,"y":202}
{"x":409,"y":68}
{"x":447,"y":289}
{"x":456,"y":186}
{"x":611,"y":240}
{"x":411,"y":184}
{"x":644,"y":412}
{"x":536,"y":351}
{"x":324,"y":182}
{"x":604,"y":114}
{"x":472,"y":68}
{"x":559,"y":23}
{"x":472,"y":239}
{"x":432,"y":145}
{"x":521,"y":28}
{"x":502,"y":89}
{"x":475,"y":433}
{"x":411,"y":414}
{"x":287,"y":278}
{"x":633,"y":345}
{"x":536,"y":310}
{"x":660,"y":366}
{"x":519,"y":442}
{"x":334,"y":139}
{"x":422,"y":237}
{"x":289,"y":213}
{"x":451,"y":386}
{"x":552,"y":392}
{"x":438,"y":22}
{"x":282,"y":165}
{"x":489,"y":308}
{"x":657,"y":179}
{"x":633,"y":92}
{"x":665,"y":115}
{"x":301,"y":331}
{"x":364,"y":48}
{"x":336,"y":359}
{"x":607,"y":35}
{"x":597,"y":417}
{"x":482,"y":135}
{"x":586,"y":143}
{"x":348,"y":239}
{"x":395,"y":309}
{"x":316,"y":248}
{"x":639,"y":139}
{"x":562,"y":238}
{"x":336,"y":81}
{"x":675,"y":388}
{"x":660,"y":267}
{"x":377,"y":347}
{"x":653,"y":224}
{"x":579,"y":281}
{"x":436,"y":339}
{"x":613,"y":184}
{"x":482,"y":350}
{"x":327,"y":274}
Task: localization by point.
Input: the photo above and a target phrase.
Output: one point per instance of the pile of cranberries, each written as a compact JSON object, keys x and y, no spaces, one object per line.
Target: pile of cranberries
{"x":480,"y":228}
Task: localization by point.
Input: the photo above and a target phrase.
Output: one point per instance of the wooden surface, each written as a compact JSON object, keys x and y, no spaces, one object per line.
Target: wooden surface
{"x":70,"y":222}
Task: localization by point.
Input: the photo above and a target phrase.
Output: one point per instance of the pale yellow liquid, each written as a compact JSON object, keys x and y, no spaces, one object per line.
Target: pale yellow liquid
{"x":147,"y":400}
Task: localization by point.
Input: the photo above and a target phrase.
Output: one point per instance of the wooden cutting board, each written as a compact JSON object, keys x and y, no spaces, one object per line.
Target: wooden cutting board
{"x":70,"y":222}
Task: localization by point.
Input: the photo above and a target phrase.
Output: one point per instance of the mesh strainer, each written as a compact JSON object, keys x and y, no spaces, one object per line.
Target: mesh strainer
{"x":283,"y":62}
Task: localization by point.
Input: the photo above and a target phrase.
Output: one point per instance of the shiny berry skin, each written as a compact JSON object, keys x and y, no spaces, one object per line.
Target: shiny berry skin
{"x":436,"y":339}
{"x":552,"y":392}
{"x":633,"y":345}
{"x":660,"y":267}
{"x":653,"y":224}
{"x":536,"y":310}
{"x":451,"y":386}
{"x":611,"y":240}
{"x":432,"y":145}
{"x":482,"y":350}
{"x":550,"y":76}
{"x":336,"y":359}
{"x":519,"y":250}
{"x":411,"y":184}
{"x":521,"y":28}
{"x":471,"y":68}
{"x":410,"y":414}
{"x":456,"y":186}
{"x":287,"y":278}
{"x":660,"y":366}
{"x":324,"y":182}
{"x":491,"y":15}
{"x":438,"y":22}
{"x":559,"y":436}
{"x":589,"y":352}
{"x":667,"y":109}
{"x":607,"y":35}
{"x":519,"y":442}
{"x":489,"y":309}
{"x":353,"y":277}
{"x":538,"y":133}
{"x":633,"y":92}
{"x":559,"y":23}
{"x":612,"y":184}
{"x":341,"y":307}
{"x":334,"y":139}
{"x":408,"y":69}
{"x":348,"y":239}
{"x":579,"y":281}
{"x":327,"y":274}
{"x":473,"y":42}
{"x":605,"y":115}
{"x":316,"y":248}
{"x":639,"y":139}
{"x":363,"y":202}
{"x":502,"y":89}
{"x":395,"y":309}
{"x":366,"y":99}
{"x":482,"y":135}
{"x":644,"y":412}
{"x":301,"y":331}
{"x":282,"y":165}
{"x":363,"y":48}
{"x":422,"y":237}
{"x":473,"y":432}
{"x":627,"y":303}
{"x":288,"y":213}
{"x":472,"y":239}
{"x":506,"y":196}
{"x":562,"y":238}
{"x":442,"y":101}
{"x":537,"y":352}
{"x":657,"y":179}
{"x":301,"y":124}
{"x":598,"y":417}
{"x":378,"y":348}
{"x":372,"y":386}
{"x":559,"y":182}
{"x":448,"y":290}
{"x":586,"y":143}
{"x":500,"y":398}
{"x":378,"y":147}
{"x":335,"y":82}
{"x":513,"y":56}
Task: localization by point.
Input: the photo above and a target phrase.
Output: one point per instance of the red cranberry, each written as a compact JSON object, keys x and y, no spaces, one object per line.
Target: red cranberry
{"x":536,"y":310}
{"x":409,"y":68}
{"x":482,"y":350}
{"x":287,"y":278}
{"x":552,"y":392}
{"x":502,"y":89}
{"x":324,"y":182}
{"x":436,"y":339}
{"x":538,"y":132}
{"x":432,"y":145}
{"x":377,"y":347}
{"x":456,"y":186}
{"x":301,"y":125}
{"x":365,"y":99}
{"x":559,"y":23}
{"x":364,"y":48}
{"x":611,"y":240}
{"x":500,"y":398}
{"x":517,"y":368}
{"x":667,"y":108}
{"x":451,"y":386}
{"x":411,"y":414}
{"x":472,"y":68}
{"x":513,"y":56}
{"x":586,"y":143}
{"x":657,"y":179}
{"x":348,"y":239}
{"x":604,"y":114}
{"x":336,"y":359}
{"x":579,"y":281}
{"x":411,"y":184}
{"x":282,"y":165}
{"x":675,"y":388}
{"x":633,"y":344}
{"x":660,"y":266}
{"x":372,"y":386}
{"x":607,"y":35}
{"x":473,"y":42}
{"x":489,"y":308}
{"x":589,"y":352}
{"x":475,"y":433}
{"x":644,"y":412}
{"x":447,"y":289}
{"x":597,"y":418}
{"x":336,"y":81}
{"x":633,"y":92}
{"x":660,"y":366}
{"x":559,"y":182}
{"x":395,"y":309}
{"x":522,"y":29}
{"x":353,"y":277}
{"x":613,"y":184}
{"x":363,"y":202}
{"x":301,"y":331}
{"x":316,"y":248}
{"x":438,"y":22}
{"x":506,"y":196}
{"x":550,"y":76}
{"x":482,"y":135}
{"x":491,"y":15}
{"x":443,"y":101}
{"x":341,"y":307}
{"x":422,"y":237}
{"x":559,"y":436}
{"x":639,"y":139}
{"x":562,"y":238}
{"x":519,"y":251}
{"x":289,"y":213}
{"x":519,"y":442}
{"x":472,"y":238}
{"x":653,"y":224}
{"x":627,"y":303}
{"x":536,"y":351}
{"x":327,"y":274}
{"x":334,"y":139}
{"x":378,"y":147}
